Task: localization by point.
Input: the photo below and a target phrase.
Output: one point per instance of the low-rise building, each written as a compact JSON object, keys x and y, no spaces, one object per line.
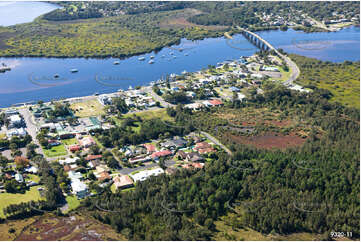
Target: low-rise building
{"x":143,"y":175}
{"x":122,"y":181}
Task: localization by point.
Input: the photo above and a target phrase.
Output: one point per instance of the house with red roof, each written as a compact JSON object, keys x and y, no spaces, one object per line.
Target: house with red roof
{"x":213,"y":103}
{"x":150,"y":148}
{"x":162,"y":153}
{"x":74,"y":148}
{"x":93,"y":157}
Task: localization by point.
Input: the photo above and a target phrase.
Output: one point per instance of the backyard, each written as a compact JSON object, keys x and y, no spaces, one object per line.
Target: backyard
{"x":87,"y":108}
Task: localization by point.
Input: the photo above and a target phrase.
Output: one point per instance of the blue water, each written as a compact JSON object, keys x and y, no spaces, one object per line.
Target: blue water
{"x":12,"y":13}
{"x":32,"y":79}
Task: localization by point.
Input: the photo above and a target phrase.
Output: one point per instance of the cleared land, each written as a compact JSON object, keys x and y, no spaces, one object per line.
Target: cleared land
{"x":87,"y":108}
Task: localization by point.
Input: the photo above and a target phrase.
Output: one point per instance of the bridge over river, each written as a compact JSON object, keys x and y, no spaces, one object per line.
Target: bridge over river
{"x":265,"y":45}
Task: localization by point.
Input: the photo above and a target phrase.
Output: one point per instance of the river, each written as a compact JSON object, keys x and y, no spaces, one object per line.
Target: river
{"x":32,"y":79}
{"x":12,"y":13}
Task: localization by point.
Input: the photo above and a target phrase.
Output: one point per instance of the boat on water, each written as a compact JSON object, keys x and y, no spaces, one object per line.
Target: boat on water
{"x":186,"y":54}
{"x":174,"y":57}
{"x":116,"y":62}
{"x":151,"y":62}
{"x":184,"y":72}
{"x":56,"y":76}
{"x":74,"y":70}
{"x":171,"y":53}
{"x":96,"y":94}
{"x":130,"y":88}
{"x":163,"y":56}
{"x":141,"y":58}
{"x":152,"y":57}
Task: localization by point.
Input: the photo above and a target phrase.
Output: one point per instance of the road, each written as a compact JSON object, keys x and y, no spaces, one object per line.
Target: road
{"x":31,"y":128}
{"x":292,"y":66}
{"x":156,"y":97}
{"x":217,"y":142}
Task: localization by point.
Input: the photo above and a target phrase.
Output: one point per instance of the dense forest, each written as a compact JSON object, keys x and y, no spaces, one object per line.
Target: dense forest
{"x":268,"y":189}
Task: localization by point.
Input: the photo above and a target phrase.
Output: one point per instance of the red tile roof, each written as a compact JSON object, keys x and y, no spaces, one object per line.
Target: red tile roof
{"x":93,"y":157}
{"x":150,"y":148}
{"x":161,"y":153}
{"x":202,"y":145}
{"x":215,"y":102}
{"x":206,"y":150}
{"x":74,"y":147}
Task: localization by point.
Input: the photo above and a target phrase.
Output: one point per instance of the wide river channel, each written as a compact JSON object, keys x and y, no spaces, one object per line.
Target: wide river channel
{"x":32,"y":79}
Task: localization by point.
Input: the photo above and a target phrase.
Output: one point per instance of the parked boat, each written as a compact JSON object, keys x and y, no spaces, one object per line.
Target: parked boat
{"x":152,"y":57}
{"x":74,"y":70}
{"x":116,"y":62}
{"x":96,"y":94}
{"x":56,"y":76}
{"x":151,"y":62}
{"x":141,"y":58}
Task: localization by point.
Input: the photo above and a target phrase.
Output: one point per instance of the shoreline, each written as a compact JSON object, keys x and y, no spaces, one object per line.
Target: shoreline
{"x":174,"y":43}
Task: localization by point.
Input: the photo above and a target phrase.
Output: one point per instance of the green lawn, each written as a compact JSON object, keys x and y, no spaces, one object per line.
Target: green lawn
{"x":71,"y":141}
{"x":32,"y":177}
{"x":55,"y":151}
{"x":73,"y":202}
{"x":15,"y":198}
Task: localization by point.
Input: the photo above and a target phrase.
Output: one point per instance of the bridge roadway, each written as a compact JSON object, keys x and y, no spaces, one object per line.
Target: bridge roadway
{"x":293,"y":67}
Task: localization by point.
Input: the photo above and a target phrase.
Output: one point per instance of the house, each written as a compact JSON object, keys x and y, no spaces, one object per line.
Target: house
{"x":103,"y":176}
{"x":196,"y":165}
{"x":68,"y":160}
{"x":163,"y":153}
{"x":213,"y":103}
{"x":139,"y":159}
{"x":143,"y":175}
{"x":31,"y":169}
{"x":15,"y":121}
{"x":202,"y":145}
{"x":93,"y":157}
{"x":19,"y":178}
{"x":79,"y":188}
{"x":181,"y":155}
{"x":194,"y":157}
{"x":75,"y":175}
{"x":87,"y":142}
{"x":74,"y":148}
{"x":16,"y":132}
{"x":52,"y":142}
{"x":101,"y":168}
{"x":122,"y":181}
{"x":234,"y":89}
{"x":206,"y":150}
{"x":150,"y":148}
{"x":194,"y":106}
{"x":174,"y":143}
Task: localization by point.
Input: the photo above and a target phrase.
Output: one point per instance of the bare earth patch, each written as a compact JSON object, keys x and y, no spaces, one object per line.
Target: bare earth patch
{"x":270,"y":140}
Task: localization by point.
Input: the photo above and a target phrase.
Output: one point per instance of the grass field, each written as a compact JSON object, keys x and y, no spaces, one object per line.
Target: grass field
{"x":87,"y":108}
{"x":9,"y":198}
{"x":73,"y":202}
{"x":55,"y":151}
{"x":71,"y":141}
